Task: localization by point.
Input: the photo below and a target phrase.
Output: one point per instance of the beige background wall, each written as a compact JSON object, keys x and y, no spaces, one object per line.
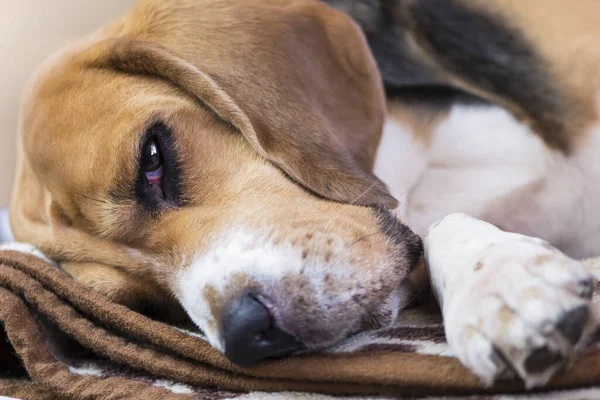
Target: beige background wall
{"x":29,"y":31}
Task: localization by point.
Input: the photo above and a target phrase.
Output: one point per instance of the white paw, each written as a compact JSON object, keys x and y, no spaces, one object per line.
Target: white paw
{"x":512,"y":304}
{"x":26,"y":248}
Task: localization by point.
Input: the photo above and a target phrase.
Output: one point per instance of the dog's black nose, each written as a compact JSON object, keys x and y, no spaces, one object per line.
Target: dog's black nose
{"x":251,"y":335}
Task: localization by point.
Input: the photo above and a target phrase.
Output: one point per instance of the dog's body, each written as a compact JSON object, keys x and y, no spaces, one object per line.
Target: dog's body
{"x":495,"y":106}
{"x":218,"y":155}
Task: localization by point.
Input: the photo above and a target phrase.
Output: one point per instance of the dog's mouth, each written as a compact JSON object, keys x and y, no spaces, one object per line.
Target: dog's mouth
{"x":261,"y":297}
{"x":257,"y":327}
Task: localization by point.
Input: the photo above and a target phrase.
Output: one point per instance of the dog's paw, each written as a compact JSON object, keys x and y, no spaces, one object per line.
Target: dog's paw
{"x":512,"y":304}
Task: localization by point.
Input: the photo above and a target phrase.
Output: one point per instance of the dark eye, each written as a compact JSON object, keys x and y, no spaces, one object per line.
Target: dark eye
{"x":152,"y":162}
{"x":158,"y":179}
{"x":151,"y":159}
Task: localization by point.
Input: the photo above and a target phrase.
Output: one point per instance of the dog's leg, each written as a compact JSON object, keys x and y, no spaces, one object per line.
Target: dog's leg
{"x":511,"y":304}
{"x":109,"y":281}
{"x":138,"y":293}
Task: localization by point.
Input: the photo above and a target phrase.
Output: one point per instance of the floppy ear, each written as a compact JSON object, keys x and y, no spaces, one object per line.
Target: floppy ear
{"x":295,"y":78}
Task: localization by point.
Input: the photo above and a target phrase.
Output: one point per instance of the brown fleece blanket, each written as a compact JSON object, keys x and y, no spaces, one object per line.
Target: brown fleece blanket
{"x":60,"y":340}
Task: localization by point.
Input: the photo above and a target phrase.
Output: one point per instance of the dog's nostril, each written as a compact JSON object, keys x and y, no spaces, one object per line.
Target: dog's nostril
{"x":251,"y":335}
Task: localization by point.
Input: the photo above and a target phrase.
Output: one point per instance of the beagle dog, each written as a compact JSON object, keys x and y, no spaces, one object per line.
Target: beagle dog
{"x":215,"y":159}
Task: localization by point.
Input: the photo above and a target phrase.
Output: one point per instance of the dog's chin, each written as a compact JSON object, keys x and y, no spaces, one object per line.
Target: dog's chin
{"x":386,"y":313}
{"x":381,"y":316}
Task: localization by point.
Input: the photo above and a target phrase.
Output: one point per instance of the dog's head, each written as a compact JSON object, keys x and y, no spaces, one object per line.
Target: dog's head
{"x":218,"y":154}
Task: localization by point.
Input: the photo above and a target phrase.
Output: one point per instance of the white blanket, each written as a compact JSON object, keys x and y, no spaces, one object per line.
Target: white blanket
{"x":5,"y":234}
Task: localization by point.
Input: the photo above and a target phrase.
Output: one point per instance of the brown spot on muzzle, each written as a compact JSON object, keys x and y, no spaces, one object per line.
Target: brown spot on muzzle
{"x":237,"y":285}
{"x":342,"y":285}
{"x":369,"y":302}
{"x":299,"y":309}
{"x":541,"y":259}
{"x":322,"y":315}
{"x":214,"y":301}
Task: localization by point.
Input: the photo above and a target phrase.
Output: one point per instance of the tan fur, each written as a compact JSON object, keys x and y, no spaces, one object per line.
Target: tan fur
{"x":277,"y":109}
{"x":290,"y":87}
{"x":422,"y":119}
{"x":565,"y":34}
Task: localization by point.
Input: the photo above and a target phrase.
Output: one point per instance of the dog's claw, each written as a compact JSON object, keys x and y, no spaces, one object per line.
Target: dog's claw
{"x":572,"y":324}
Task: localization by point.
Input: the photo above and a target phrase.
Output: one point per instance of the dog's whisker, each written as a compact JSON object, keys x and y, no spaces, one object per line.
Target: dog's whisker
{"x":101,"y":201}
{"x":367,"y":190}
{"x":296,"y":213}
{"x":362,"y":238}
{"x":334,"y":218}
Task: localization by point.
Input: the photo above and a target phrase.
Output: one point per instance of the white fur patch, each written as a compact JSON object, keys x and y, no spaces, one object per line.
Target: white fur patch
{"x":400,"y":160}
{"x":479,"y":156}
{"x":237,"y":252}
{"x":266,"y":262}
{"x":504,"y":293}
{"x":485,"y":163}
{"x":256,"y":256}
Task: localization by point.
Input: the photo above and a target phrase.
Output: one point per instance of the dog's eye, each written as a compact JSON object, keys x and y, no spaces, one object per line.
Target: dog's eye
{"x":158,"y":179}
{"x":152,"y":163}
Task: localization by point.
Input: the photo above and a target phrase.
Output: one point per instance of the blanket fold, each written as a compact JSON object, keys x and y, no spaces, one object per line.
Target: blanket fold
{"x":76,"y":344}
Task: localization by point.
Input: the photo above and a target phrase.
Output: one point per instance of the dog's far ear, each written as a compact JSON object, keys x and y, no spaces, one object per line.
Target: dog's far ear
{"x":295,"y":78}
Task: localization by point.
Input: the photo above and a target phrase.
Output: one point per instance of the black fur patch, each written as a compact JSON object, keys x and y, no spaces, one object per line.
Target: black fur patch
{"x":408,"y":244}
{"x":433,"y":97}
{"x":387,"y":40}
{"x":481,"y":48}
{"x":488,"y":52}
